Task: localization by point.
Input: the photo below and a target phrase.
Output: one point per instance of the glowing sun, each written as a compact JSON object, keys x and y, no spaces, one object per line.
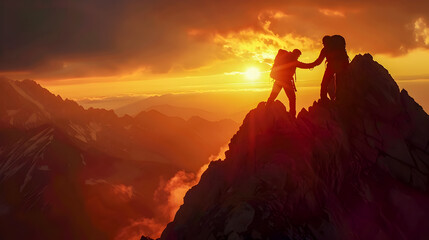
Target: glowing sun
{"x":252,"y":74}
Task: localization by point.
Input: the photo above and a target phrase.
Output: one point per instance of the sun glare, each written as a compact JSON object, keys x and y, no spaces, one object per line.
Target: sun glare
{"x":252,"y":74}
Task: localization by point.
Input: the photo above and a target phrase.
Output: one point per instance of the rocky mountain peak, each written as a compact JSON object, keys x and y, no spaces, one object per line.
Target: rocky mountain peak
{"x":353,"y":168}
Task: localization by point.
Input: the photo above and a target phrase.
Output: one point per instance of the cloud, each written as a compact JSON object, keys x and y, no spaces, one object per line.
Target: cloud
{"x":123,"y":191}
{"x":261,"y":47}
{"x":169,"y":197}
{"x":421,"y":31}
{"x":331,"y":13}
{"x":173,"y":191}
{"x":72,"y":39}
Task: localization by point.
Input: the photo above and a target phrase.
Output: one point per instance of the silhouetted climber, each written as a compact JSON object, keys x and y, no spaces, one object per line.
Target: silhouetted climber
{"x":334,"y":50}
{"x":283,"y":71}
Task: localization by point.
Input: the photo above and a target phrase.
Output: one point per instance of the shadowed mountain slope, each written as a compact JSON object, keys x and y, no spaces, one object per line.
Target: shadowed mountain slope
{"x":71,"y":173}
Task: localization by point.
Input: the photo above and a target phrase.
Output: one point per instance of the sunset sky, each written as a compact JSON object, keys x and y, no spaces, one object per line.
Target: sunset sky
{"x":101,"y":49}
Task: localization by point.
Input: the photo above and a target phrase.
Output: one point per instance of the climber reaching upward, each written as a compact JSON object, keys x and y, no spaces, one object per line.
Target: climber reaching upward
{"x":334,"y":50}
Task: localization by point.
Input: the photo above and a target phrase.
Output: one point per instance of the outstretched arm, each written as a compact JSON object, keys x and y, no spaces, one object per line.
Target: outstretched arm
{"x":319,"y":60}
{"x":305,"y":65}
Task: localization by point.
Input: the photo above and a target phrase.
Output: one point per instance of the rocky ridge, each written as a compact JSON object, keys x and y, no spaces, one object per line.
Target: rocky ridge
{"x":354,"y":168}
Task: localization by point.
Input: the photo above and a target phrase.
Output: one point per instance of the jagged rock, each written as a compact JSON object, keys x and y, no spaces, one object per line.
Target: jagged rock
{"x":145,"y":238}
{"x":356,"y":168}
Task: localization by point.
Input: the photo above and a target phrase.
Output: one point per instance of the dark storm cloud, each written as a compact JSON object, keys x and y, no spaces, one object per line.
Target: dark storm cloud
{"x":36,"y":32}
{"x":76,"y":38}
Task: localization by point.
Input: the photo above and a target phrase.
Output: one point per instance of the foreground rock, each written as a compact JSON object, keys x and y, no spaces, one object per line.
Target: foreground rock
{"x":356,"y":168}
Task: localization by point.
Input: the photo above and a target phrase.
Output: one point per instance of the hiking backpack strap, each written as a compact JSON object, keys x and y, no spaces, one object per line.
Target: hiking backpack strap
{"x":293,"y":83}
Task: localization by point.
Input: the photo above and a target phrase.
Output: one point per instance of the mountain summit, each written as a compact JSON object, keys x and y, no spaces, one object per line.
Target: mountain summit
{"x":354,"y":168}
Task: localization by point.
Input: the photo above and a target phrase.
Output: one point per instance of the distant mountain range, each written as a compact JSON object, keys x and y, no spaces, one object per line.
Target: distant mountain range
{"x":71,"y":173}
{"x":212,"y":106}
{"x":182,"y":112}
{"x":165,"y":105}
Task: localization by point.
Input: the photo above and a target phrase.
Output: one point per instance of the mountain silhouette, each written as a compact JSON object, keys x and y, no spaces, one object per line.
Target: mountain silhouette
{"x":71,"y":173}
{"x":26,"y":105}
{"x":182,"y":112}
{"x":354,"y":168}
{"x":208,"y":105}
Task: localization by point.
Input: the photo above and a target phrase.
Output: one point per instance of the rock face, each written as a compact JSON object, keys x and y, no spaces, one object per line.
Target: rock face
{"x":355,"y":168}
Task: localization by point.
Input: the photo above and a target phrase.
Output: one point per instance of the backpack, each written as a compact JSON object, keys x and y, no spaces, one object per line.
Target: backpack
{"x":337,"y":49}
{"x":337,"y":43}
{"x":281,"y":69}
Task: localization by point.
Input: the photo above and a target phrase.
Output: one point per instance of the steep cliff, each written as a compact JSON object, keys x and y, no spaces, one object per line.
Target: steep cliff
{"x":354,"y":168}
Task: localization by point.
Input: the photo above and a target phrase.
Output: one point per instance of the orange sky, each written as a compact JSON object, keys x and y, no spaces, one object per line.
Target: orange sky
{"x":106,"y":49}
